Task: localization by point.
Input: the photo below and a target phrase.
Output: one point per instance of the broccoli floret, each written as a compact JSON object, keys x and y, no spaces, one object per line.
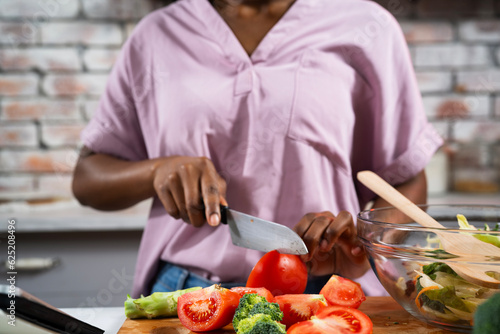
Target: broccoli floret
{"x":245,"y":306}
{"x":486,"y":319}
{"x":260,"y":324}
{"x":271,"y":309}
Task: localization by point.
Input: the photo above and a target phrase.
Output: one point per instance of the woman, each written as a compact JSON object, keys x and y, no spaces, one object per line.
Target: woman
{"x":269,"y":106}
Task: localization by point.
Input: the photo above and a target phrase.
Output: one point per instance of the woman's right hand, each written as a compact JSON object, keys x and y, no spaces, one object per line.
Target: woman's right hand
{"x":186,"y":185}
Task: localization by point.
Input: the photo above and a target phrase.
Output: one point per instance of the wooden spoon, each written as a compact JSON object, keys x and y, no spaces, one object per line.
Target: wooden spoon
{"x":463,"y":245}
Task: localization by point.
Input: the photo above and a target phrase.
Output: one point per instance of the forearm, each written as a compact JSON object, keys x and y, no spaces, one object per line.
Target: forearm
{"x":109,"y":183}
{"x":415,"y":190}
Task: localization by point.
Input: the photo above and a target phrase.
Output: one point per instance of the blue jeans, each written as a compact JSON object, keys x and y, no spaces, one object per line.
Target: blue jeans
{"x":172,"y":278}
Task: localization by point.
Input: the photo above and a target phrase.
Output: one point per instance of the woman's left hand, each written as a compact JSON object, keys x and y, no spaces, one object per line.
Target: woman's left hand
{"x":333,"y":245}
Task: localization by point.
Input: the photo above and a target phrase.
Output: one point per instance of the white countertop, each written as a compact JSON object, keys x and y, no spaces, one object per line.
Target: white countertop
{"x":68,"y":215}
{"x":110,"y":319}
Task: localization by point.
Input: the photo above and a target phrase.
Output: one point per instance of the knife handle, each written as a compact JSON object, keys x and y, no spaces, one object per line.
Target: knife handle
{"x":223,"y":212}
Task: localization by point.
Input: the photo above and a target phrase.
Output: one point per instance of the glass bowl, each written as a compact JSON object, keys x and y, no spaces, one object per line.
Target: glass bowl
{"x":411,"y":265}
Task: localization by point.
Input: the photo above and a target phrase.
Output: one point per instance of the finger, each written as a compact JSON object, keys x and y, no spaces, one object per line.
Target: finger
{"x":301,"y":229}
{"x":168,"y":203}
{"x":343,"y":235}
{"x":222,"y":191}
{"x":304,"y":224}
{"x":210,"y":189}
{"x":177,"y":194}
{"x":314,"y":235}
{"x":190,"y":178}
{"x":342,"y":227}
{"x":162,"y":188}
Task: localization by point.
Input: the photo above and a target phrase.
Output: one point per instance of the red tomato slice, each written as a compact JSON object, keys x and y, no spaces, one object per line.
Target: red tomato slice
{"x":279,"y":273}
{"x":243,"y":290}
{"x":207,"y":309}
{"x":343,"y":292}
{"x":335,"y":319}
{"x":299,"y":307}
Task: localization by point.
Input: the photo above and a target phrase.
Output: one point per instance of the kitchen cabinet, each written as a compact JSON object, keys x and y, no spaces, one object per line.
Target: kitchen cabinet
{"x":89,"y":255}
{"x":92,"y":269}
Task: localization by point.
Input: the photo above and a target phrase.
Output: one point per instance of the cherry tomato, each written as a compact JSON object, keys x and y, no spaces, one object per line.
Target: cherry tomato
{"x":207,"y":309}
{"x":299,"y":307}
{"x":343,"y":292}
{"x":279,"y":273}
{"x":335,"y":319}
{"x":243,"y":290}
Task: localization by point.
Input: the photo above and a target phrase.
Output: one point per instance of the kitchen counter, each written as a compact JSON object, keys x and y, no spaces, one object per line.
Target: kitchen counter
{"x":109,"y":319}
{"x":67,"y":215}
{"x":387,"y":316}
{"x":464,"y":198}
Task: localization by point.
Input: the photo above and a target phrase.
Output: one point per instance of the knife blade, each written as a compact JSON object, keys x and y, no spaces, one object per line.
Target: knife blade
{"x":262,"y":235}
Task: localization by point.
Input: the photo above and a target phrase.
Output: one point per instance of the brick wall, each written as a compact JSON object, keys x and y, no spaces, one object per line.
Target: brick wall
{"x":55,"y":56}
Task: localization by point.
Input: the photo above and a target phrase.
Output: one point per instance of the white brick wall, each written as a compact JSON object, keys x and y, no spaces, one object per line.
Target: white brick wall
{"x":39,"y":9}
{"x":480,"y":31}
{"x":74,"y":84}
{"x":81,"y":33}
{"x":479,"y":81}
{"x":14,"y":34}
{"x":39,"y":108}
{"x":100,"y":59}
{"x":18,"y":84}
{"x":427,"y":32}
{"x":455,"y":106}
{"x":452,"y":56}
{"x":16,"y":183}
{"x":61,"y":134}
{"x":37,"y":161}
{"x":18,"y":135}
{"x":434,"y":81}
{"x":116,"y":9}
{"x":43,"y":59}
{"x":468,"y":131}
{"x":55,"y":56}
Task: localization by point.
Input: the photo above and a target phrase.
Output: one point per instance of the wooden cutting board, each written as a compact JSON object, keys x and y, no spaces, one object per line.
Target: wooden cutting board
{"x":388,"y":317}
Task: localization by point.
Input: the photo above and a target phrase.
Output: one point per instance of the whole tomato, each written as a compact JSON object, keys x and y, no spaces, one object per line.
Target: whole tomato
{"x":279,"y":273}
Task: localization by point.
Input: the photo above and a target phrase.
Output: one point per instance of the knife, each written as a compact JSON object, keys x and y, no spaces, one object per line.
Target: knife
{"x":262,"y":235}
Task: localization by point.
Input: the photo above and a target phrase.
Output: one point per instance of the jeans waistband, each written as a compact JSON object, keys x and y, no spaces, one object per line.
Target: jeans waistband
{"x":172,"y":277}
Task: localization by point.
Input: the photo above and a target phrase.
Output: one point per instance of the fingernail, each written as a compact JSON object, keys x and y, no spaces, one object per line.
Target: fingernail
{"x":214,"y":219}
{"x":324,"y":244}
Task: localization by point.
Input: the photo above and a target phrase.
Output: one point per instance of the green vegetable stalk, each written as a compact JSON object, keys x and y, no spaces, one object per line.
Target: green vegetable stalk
{"x":489,"y":238}
{"x":156,"y":305}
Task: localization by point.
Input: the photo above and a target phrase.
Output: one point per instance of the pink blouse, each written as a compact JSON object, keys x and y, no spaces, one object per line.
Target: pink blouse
{"x":329,"y":91}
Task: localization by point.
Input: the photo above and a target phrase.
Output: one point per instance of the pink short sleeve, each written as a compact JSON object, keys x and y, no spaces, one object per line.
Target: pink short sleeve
{"x":115,"y":127}
{"x":392,"y":136}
